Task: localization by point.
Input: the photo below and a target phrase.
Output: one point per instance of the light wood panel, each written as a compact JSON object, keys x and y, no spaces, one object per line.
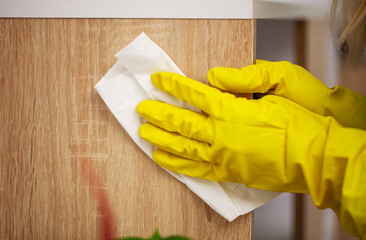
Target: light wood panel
{"x":51,"y":117}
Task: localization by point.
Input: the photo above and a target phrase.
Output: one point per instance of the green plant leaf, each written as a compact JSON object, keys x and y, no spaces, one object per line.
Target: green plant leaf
{"x":156,"y":236}
{"x":176,"y":238}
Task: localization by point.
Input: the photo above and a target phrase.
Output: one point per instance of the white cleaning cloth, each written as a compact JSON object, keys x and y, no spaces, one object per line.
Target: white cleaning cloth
{"x":127,"y":83}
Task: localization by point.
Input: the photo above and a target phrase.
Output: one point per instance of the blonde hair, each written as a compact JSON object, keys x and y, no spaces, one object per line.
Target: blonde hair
{"x":348,"y":24}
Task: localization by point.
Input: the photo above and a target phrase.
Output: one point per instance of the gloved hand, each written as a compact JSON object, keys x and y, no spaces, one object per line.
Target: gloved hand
{"x":235,"y":139}
{"x":295,"y":83}
{"x":271,"y":143}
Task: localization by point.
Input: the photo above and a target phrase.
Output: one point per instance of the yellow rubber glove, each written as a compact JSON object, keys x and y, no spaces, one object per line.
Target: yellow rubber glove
{"x":271,"y":143}
{"x":295,"y":83}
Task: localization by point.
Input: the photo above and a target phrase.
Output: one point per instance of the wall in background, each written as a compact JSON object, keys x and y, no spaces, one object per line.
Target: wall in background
{"x":276,"y":40}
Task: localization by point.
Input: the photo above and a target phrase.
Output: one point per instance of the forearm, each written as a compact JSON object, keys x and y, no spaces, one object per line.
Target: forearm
{"x":330,"y":165}
{"x":349,"y":145}
{"x":337,"y":181}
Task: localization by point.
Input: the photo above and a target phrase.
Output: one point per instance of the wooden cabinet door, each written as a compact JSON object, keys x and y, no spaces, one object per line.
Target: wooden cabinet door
{"x":51,"y":117}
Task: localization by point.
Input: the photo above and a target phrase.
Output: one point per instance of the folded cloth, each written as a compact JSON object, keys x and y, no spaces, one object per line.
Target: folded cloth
{"x":127,"y":83}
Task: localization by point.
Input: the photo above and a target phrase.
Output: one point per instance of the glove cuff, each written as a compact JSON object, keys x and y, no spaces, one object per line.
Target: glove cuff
{"x":347,"y":107}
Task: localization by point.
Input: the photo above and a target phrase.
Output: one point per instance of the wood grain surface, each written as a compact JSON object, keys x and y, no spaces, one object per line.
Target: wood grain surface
{"x":51,"y":117}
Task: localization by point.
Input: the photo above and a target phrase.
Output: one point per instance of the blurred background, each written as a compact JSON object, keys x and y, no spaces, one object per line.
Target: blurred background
{"x":306,"y":42}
